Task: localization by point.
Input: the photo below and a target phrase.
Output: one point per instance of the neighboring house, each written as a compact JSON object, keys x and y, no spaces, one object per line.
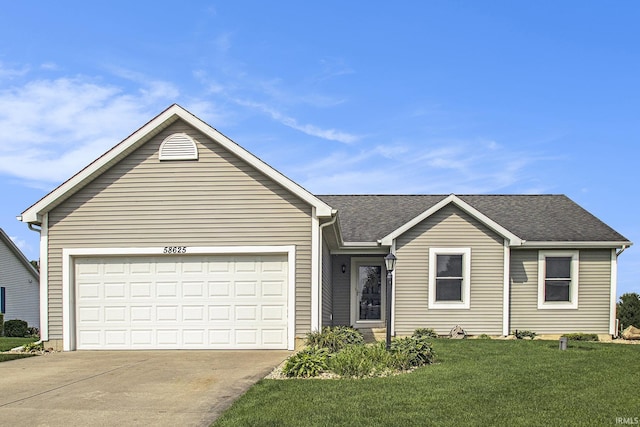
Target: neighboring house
{"x":179,"y":238}
{"x":19,"y":284}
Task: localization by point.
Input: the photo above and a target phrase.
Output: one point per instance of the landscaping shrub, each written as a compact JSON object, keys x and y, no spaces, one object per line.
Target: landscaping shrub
{"x":307,"y":363}
{"x":629,"y":310}
{"x":15,"y":328}
{"x":412,"y":351}
{"x":1,"y":324}
{"x":334,"y":338}
{"x":484,"y":337}
{"x":362,"y":361}
{"x":32,"y":346}
{"x":524,"y":334}
{"x":425,"y":332}
{"x":33,"y":332}
{"x":579,"y":336}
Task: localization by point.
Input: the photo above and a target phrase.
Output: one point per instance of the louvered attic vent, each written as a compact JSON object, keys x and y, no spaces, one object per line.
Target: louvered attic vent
{"x":178,"y":146}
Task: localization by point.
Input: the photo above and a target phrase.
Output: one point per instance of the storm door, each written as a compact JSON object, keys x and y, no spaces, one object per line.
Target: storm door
{"x":368,"y":293}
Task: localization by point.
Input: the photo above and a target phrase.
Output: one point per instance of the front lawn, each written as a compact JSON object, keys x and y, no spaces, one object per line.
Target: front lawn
{"x":7,"y":344}
{"x":474,"y":382}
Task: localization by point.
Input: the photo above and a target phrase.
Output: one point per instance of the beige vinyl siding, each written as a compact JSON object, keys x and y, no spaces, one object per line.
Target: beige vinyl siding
{"x":21,"y":287}
{"x":594,"y":281}
{"x":217,"y":200}
{"x":449,"y":228}
{"x":327,"y":291}
{"x":341,"y":290}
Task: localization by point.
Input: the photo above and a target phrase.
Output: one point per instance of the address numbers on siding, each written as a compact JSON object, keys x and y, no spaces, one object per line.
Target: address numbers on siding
{"x":174,"y":250}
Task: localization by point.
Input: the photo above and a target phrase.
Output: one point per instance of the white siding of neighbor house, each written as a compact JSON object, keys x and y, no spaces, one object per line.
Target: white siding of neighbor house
{"x":217,"y":200}
{"x":21,"y":287}
{"x":449,"y":228}
{"x":594,"y":281}
{"x":327,"y":291}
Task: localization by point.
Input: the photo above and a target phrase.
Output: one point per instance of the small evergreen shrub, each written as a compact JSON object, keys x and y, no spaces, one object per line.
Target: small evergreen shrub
{"x":412,"y":351}
{"x":33,"y":332}
{"x":307,"y":363}
{"x":335,"y":338}
{"x":15,"y":328}
{"x":579,"y":336}
{"x":524,"y":334}
{"x":1,"y":324}
{"x":425,"y":332}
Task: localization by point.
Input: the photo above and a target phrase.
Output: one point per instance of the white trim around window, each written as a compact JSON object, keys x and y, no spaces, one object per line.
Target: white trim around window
{"x":464,"y":303}
{"x":572,"y":302}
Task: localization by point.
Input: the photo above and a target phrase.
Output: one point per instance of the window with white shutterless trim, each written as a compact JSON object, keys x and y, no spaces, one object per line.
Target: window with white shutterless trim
{"x":558,"y":279}
{"x":178,"y":146}
{"x":449,"y":278}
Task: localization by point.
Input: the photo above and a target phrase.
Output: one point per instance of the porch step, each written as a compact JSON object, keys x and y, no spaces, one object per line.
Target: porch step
{"x":372,"y":335}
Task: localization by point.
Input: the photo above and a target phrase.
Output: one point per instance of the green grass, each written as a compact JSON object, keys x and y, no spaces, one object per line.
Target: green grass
{"x":7,"y":344}
{"x":473,"y":383}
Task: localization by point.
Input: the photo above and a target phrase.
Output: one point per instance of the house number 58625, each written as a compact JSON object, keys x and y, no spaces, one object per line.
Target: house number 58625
{"x":175,"y":250}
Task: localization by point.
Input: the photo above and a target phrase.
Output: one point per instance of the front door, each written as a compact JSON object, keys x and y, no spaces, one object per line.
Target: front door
{"x":367,"y":291}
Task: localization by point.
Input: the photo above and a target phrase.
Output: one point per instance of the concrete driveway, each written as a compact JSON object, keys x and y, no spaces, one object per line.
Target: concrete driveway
{"x":104,"y":388}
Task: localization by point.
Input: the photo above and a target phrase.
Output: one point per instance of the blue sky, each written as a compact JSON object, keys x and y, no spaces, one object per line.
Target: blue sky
{"x":422,"y":97}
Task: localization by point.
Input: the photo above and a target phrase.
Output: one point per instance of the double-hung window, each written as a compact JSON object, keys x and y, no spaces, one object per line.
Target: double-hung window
{"x":558,"y":279}
{"x":449,"y":274}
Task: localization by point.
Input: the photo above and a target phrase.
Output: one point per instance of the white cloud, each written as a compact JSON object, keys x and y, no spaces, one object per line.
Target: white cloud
{"x":50,"y":129}
{"x":20,"y":243}
{"x":309,"y":129}
{"x":440,"y":167}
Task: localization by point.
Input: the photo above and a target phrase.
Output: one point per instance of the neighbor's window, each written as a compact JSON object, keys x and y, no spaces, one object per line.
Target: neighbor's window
{"x":449,"y":271}
{"x":558,"y":279}
{"x":2,"y":300}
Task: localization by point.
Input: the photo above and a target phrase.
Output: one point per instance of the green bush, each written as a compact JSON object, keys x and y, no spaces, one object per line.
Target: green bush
{"x":579,"y":336}
{"x":362,"y":361}
{"x":32,"y":346}
{"x":524,"y":334}
{"x":629,"y":310}
{"x":33,"y":332}
{"x":307,"y":363}
{"x":425,"y":332}
{"x":1,"y":324}
{"x":15,"y":328}
{"x":334,"y":338}
{"x":412,"y":351}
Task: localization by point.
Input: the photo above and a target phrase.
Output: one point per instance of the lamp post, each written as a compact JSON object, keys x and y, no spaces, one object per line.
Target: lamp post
{"x":390,"y":261}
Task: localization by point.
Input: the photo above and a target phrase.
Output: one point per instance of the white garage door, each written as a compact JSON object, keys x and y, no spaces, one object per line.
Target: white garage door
{"x":181,"y":302}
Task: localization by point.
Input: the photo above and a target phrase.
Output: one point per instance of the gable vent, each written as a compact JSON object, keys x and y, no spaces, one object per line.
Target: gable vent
{"x":178,"y":146}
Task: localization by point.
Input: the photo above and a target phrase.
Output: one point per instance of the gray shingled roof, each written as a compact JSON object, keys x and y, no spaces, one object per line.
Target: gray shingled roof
{"x":367,"y":218}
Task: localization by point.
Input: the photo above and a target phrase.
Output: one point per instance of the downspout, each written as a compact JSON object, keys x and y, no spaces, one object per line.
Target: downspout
{"x":624,"y":248}
{"x":31,"y":227}
{"x":321,"y":296}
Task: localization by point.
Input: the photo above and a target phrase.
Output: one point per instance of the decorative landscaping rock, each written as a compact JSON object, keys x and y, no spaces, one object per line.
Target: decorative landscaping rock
{"x":631,"y":333}
{"x":457,"y":333}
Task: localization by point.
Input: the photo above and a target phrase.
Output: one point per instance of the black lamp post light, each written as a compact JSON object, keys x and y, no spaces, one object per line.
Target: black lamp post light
{"x":390,"y":261}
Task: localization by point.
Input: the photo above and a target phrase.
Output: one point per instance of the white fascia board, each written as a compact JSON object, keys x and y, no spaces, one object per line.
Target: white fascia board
{"x":597,"y":245}
{"x":452,"y":198}
{"x":34,"y":213}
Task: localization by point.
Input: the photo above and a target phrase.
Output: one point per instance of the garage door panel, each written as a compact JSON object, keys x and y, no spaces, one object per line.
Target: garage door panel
{"x":174,"y":302}
{"x":141,"y":290}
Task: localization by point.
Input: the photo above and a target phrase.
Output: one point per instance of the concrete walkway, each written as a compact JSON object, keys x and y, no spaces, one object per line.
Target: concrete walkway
{"x":128,"y":388}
